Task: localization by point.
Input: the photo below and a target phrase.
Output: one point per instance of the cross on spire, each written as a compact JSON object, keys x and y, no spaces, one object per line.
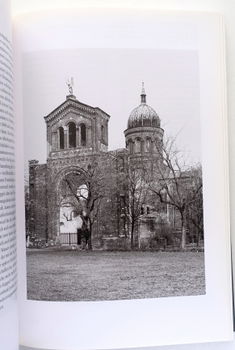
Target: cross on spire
{"x":143,"y":94}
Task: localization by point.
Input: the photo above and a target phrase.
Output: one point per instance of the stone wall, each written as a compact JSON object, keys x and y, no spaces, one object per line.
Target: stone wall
{"x":44,"y":194}
{"x":111,"y":226}
{"x":38,"y":200}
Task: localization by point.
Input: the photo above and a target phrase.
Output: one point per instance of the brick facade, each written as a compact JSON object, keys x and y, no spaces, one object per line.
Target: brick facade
{"x":77,"y":137}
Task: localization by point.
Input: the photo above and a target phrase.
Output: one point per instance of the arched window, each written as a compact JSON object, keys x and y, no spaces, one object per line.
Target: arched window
{"x":102,"y":133}
{"x":72,"y":135}
{"x":142,"y":146}
{"x":61,"y":138}
{"x":148,"y":143}
{"x":130,"y":146}
{"x":137,"y":146}
{"x":83,"y":134}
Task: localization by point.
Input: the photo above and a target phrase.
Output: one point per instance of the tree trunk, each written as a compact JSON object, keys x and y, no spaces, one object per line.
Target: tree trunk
{"x":132,"y":234}
{"x":198,"y":237}
{"x":183,"y":231}
{"x":89,"y":243}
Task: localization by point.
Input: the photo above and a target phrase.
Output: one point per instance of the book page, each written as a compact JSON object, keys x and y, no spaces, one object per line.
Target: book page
{"x":137,"y":268}
{"x":8,"y":306}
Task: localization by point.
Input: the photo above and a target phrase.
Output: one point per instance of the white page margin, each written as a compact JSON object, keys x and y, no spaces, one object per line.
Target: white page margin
{"x":217,"y":302}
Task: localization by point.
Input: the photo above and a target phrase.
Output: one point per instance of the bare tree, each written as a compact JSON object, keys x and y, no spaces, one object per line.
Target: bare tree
{"x":137,"y":194}
{"x":174,"y":182}
{"x":88,"y":187}
{"x":195,"y":212}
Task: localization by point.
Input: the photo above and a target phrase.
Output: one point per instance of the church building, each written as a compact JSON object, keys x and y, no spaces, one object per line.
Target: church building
{"x":77,"y":143}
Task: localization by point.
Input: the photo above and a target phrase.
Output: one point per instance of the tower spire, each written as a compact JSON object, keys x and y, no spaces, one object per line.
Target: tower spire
{"x":143,"y":94}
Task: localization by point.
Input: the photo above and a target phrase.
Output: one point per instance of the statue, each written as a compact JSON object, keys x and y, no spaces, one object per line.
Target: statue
{"x":70,"y":84}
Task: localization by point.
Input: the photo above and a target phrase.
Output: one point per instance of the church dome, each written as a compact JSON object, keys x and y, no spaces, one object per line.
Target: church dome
{"x":143,"y":115}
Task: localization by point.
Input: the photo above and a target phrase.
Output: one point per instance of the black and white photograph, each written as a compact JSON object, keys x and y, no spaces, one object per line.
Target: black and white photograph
{"x":113,"y":174}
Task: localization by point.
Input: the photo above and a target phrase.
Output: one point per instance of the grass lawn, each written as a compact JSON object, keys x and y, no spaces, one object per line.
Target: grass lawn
{"x":81,"y":275}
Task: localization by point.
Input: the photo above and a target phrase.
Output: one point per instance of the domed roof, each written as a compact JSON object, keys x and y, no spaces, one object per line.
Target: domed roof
{"x":143,"y":115}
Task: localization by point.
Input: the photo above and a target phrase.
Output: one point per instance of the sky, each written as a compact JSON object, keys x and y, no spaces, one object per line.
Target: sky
{"x":111,"y":79}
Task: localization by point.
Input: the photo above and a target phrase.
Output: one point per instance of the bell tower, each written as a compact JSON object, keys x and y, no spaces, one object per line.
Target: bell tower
{"x":74,"y":128}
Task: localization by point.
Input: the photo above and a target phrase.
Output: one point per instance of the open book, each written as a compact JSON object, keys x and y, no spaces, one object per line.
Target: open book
{"x":115,"y":124}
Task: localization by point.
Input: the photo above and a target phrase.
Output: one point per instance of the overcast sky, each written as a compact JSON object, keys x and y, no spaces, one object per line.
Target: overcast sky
{"x":111,"y":79}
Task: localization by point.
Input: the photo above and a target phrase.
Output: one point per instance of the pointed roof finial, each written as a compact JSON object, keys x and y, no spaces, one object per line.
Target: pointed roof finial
{"x":143,"y":90}
{"x":143,"y":94}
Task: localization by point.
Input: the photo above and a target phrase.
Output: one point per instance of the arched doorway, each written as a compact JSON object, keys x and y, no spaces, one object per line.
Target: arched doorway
{"x":71,"y":196}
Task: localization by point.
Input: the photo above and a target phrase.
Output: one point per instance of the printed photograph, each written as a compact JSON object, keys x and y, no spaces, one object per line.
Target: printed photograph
{"x":113,"y":174}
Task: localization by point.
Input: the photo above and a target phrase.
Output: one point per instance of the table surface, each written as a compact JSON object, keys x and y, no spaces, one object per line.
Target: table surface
{"x":205,"y":346}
